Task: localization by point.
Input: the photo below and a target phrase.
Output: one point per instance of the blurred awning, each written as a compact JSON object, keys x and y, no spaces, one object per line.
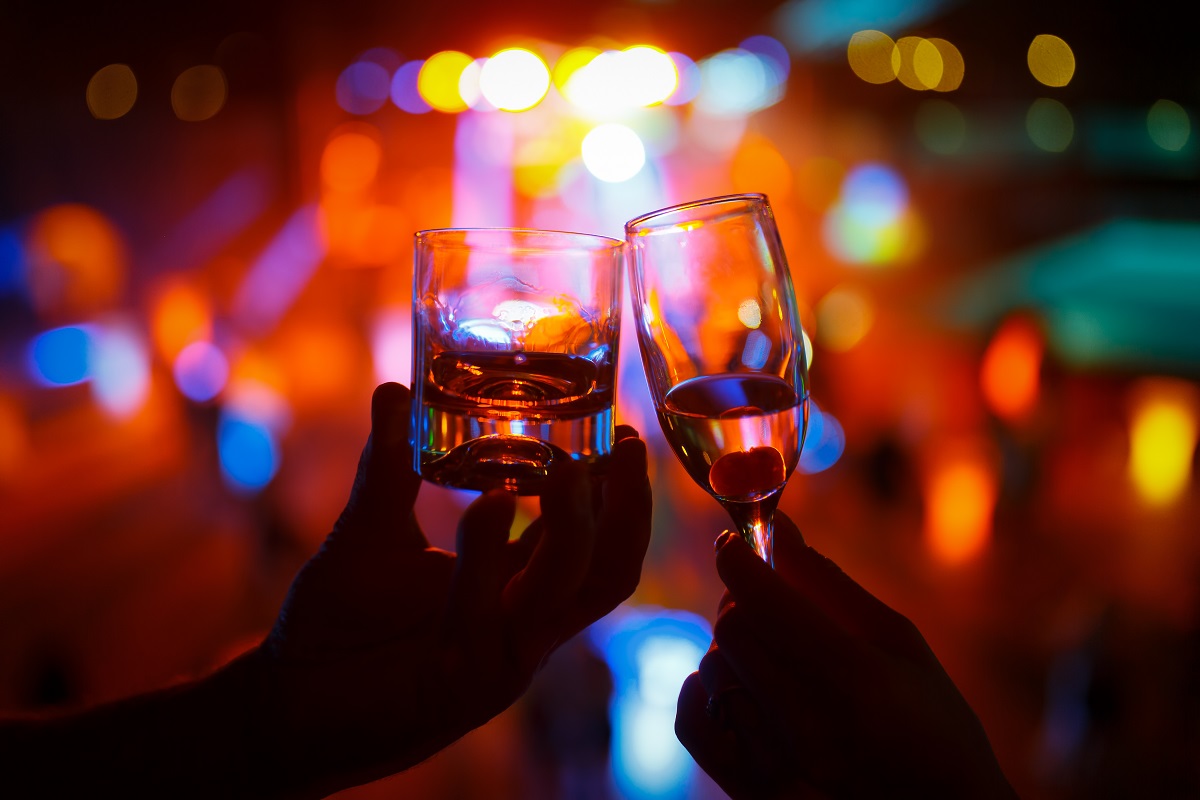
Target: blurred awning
{"x":1125,"y":295}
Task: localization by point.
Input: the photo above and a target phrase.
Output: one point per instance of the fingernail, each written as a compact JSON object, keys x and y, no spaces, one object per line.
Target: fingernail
{"x":722,"y":540}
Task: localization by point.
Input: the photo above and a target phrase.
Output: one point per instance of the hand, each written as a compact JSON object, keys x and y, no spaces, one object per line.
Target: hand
{"x":818,"y":689}
{"x":387,"y":650}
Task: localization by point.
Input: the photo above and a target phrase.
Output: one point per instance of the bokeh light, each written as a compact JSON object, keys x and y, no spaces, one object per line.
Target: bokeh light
{"x":438,"y":78}
{"x":1168,"y":124}
{"x":514,"y":79}
{"x":351,"y":159}
{"x":199,"y":93}
{"x":1051,"y":60}
{"x":871,"y":223}
{"x":758,"y":166}
{"x":960,"y":498}
{"x":920,"y":63}
{"x":824,"y":441}
{"x":363,"y":87}
{"x":201,"y":371}
{"x":76,"y":261}
{"x":1050,"y":125}
{"x":405,"y":92}
{"x":689,"y":80}
{"x":1010,"y":371}
{"x":180,"y":314}
{"x":1162,"y":438}
{"x":873,"y":56}
{"x":953,"y":67}
{"x":613,"y":152}
{"x":650,"y":651}
{"x":120,"y":367}
{"x":112,"y":91}
{"x":652,"y":73}
{"x":941,"y":126}
{"x":844,"y":316}
{"x":61,"y":356}
{"x":736,"y":82}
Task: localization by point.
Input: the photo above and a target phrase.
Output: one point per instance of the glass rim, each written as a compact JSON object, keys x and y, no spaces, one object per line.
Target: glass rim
{"x":748,"y":198}
{"x":593,"y":242}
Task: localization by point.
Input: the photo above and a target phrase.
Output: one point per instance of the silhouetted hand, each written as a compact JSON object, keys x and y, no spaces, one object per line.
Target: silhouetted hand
{"x":387,"y":650}
{"x":814,"y":688}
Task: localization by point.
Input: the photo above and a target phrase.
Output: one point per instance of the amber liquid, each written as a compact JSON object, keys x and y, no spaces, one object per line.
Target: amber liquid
{"x":499,"y":419}
{"x":737,"y":435}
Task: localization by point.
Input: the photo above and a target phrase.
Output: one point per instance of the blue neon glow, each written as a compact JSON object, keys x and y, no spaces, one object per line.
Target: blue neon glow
{"x":650,"y":651}
{"x":61,"y":356}
{"x":12,"y":262}
{"x":825,"y":26}
{"x":248,"y":453}
{"x":824,"y":442}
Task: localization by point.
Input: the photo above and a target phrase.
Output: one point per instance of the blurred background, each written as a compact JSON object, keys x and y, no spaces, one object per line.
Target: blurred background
{"x":991,"y":215}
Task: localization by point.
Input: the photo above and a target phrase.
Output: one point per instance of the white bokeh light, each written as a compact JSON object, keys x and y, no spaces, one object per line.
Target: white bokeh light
{"x":613,"y":152}
{"x":514,"y":80}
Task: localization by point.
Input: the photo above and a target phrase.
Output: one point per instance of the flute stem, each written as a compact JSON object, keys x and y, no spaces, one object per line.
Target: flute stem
{"x":755,"y":523}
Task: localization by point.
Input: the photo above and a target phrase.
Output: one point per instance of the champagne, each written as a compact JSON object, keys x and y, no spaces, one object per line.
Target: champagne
{"x":498,"y":418}
{"x":738,"y":435}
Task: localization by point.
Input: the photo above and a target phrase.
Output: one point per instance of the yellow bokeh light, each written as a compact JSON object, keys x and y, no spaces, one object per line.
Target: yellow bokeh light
{"x":1162,"y":439}
{"x":112,"y":91}
{"x":920,"y":63}
{"x":571,"y":62}
{"x":515,"y":79}
{"x":199,"y":93}
{"x":873,"y":56}
{"x":438,"y":80}
{"x":1051,"y":60}
{"x":843,"y":318}
{"x":953,"y":67}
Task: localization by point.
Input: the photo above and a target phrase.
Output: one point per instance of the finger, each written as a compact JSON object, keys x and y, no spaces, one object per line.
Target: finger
{"x":786,"y":620}
{"x":842,"y":599}
{"x":625,"y":432}
{"x":745,"y":757}
{"x":549,"y":583}
{"x":385,"y":488}
{"x":806,"y":705}
{"x":714,"y":747}
{"x":715,"y":672}
{"x":623,"y":531}
{"x":480,"y":571}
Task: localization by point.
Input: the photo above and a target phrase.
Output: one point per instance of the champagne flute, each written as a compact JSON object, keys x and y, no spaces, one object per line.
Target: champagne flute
{"x":723,"y":350}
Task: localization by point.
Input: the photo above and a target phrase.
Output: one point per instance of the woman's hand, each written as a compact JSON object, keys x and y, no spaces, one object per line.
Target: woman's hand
{"x":814,"y":688}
